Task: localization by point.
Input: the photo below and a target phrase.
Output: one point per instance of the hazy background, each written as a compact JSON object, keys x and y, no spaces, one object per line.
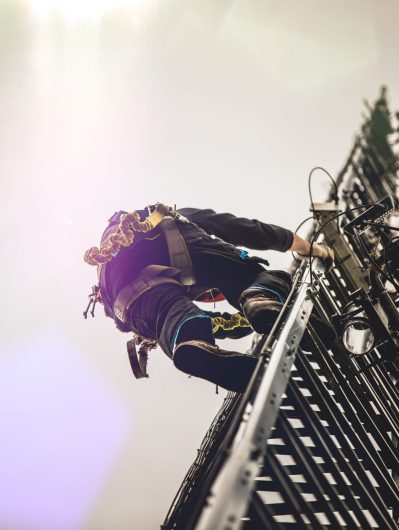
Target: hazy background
{"x":108,"y":105}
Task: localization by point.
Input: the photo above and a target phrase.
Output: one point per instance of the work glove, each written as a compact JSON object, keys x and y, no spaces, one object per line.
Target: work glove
{"x":322,"y":251}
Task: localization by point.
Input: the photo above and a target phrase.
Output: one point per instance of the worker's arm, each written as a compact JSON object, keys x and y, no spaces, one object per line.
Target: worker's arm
{"x":240,"y":231}
{"x":319,"y":250}
{"x":301,"y":246}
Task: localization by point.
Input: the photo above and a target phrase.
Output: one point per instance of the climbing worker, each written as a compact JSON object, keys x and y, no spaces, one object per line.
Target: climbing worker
{"x":153,"y":263}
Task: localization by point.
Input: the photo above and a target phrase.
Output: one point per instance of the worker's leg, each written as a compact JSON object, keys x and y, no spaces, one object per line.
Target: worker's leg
{"x":274,"y":283}
{"x":160,"y":312}
{"x":263,"y":299}
{"x":260,"y":295}
{"x":246,"y":284}
{"x":166,"y":314}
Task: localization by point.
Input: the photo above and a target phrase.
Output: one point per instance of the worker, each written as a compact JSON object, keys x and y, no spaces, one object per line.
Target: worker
{"x":153,"y":263}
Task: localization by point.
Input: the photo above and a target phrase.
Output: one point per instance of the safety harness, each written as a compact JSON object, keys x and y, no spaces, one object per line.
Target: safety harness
{"x":148,"y":278}
{"x":180,"y":271}
{"x":127,"y":229}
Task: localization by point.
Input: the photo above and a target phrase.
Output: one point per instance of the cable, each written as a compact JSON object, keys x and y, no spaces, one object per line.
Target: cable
{"x":390,"y":274}
{"x":373,"y":262}
{"x":321,"y":228}
{"x":330,"y":177}
{"x":295,"y":231}
{"x":387,"y":266}
{"x":312,"y":203}
{"x":335,"y":197}
{"x":302,"y":223}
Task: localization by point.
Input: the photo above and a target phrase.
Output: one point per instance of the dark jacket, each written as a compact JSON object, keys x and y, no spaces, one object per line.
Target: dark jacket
{"x":238,"y":231}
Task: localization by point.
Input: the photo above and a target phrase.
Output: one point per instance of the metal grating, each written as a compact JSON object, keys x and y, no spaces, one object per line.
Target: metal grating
{"x":313,"y":443}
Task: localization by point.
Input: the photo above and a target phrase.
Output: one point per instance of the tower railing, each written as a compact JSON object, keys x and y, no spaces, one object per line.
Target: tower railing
{"x":313,"y":442}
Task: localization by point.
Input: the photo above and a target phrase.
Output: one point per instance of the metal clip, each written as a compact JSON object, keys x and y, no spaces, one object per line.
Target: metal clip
{"x":94,"y":297}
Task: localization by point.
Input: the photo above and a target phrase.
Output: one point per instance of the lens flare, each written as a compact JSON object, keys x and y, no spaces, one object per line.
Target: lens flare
{"x":80,"y":10}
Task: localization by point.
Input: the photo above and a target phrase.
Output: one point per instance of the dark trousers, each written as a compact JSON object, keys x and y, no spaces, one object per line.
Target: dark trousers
{"x":160,"y":313}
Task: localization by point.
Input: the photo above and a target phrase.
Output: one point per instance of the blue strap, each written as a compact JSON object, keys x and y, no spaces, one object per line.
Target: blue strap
{"x":261,"y":287}
{"x":175,"y":336}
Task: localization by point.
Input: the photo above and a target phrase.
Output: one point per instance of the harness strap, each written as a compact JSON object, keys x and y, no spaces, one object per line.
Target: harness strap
{"x":179,"y":254}
{"x":149,"y":277}
{"x":137,"y":349}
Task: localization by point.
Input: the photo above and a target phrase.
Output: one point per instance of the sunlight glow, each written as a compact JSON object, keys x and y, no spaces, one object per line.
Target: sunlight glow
{"x":76,"y":10}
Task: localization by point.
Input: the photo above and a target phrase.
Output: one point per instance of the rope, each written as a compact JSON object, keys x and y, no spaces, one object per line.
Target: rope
{"x":235,"y":321}
{"x":124,"y":236}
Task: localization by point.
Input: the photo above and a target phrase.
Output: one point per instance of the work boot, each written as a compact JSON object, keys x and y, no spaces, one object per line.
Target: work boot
{"x":261,"y":310}
{"x":230,"y":370}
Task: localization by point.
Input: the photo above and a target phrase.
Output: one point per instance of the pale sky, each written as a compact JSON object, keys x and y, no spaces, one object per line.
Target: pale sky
{"x":109,"y":105}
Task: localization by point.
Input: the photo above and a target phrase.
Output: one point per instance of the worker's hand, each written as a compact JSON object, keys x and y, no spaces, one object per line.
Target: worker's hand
{"x":322,"y":251}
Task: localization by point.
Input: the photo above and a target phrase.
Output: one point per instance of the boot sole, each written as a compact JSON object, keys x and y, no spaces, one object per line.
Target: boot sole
{"x":262,"y":322}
